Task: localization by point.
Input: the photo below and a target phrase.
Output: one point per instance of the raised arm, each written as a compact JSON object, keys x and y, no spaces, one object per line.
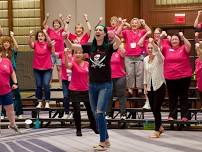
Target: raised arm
{"x":120,"y":28}
{"x":45,"y":25}
{"x":88,"y":24}
{"x":196,"y":37}
{"x":62,"y":19}
{"x":50,"y":43}
{"x":99,"y":21}
{"x":186,"y":42}
{"x":67,"y":59}
{"x":146,"y":27}
{"x":116,"y":41}
{"x":69,"y":44}
{"x":47,"y":37}
{"x":68,"y":18}
{"x":30,"y":41}
{"x":142,"y":39}
{"x":14,"y":41}
{"x":196,"y":25}
{"x":198,"y":47}
{"x":157,"y":50}
{"x":122,"y":51}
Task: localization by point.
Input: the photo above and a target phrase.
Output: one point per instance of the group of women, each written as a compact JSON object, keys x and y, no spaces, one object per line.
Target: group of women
{"x":152,"y":63}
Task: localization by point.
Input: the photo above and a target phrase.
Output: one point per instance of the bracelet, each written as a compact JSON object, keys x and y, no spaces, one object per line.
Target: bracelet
{"x":67,"y":22}
{"x":86,"y":20}
{"x":15,"y":83}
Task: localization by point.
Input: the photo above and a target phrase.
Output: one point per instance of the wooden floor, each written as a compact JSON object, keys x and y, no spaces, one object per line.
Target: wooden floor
{"x":122,"y":140}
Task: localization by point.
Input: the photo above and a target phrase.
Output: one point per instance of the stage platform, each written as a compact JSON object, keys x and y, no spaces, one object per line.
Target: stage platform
{"x":122,"y":140}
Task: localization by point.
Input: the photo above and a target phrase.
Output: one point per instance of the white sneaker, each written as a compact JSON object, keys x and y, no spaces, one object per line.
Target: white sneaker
{"x":20,"y":117}
{"x":47,"y":106}
{"x":65,"y":116}
{"x":130,"y":90}
{"x":39,"y":105}
{"x":123,"y":117}
{"x":70,"y":116}
{"x":146,"y":105}
{"x":108,"y":117}
{"x":14,"y":128}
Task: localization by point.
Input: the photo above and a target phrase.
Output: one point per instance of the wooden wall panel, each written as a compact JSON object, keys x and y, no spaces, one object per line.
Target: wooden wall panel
{"x":157,"y":15}
{"x":125,"y":9}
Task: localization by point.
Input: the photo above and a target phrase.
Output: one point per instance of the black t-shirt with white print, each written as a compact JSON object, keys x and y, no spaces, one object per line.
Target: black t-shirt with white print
{"x":99,"y":63}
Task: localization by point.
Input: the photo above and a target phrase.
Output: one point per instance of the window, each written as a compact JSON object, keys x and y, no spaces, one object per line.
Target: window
{"x":177,"y":2}
{"x":21,"y":16}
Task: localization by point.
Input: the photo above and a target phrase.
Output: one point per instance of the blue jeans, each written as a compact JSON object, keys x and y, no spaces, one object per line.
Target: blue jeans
{"x":65,"y":86}
{"x":42,"y":79}
{"x":100,"y":94}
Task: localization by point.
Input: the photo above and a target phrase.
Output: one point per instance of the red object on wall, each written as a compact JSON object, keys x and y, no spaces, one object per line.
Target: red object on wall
{"x":180,"y":18}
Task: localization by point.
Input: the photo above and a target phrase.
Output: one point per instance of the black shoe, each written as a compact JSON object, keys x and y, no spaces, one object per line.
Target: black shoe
{"x":78,"y":133}
{"x":95,"y":130}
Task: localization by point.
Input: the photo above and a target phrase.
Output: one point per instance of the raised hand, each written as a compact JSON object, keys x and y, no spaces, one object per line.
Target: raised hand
{"x":85,"y":17}
{"x":196,"y":34}
{"x":151,"y":40}
{"x":111,"y":34}
{"x":69,"y":17}
{"x":31,"y":32}
{"x":60,"y":15}
{"x":47,"y":15}
{"x":11,"y":33}
{"x":181,"y":34}
{"x":197,"y":45}
{"x":142,"y":22}
{"x":199,"y":12}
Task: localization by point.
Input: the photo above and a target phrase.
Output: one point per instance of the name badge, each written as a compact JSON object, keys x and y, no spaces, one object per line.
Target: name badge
{"x":171,"y":50}
{"x":133,"y":45}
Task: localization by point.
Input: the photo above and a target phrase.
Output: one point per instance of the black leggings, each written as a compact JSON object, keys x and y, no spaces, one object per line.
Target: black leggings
{"x":81,"y":96}
{"x":179,"y":88}
{"x":155,"y":100}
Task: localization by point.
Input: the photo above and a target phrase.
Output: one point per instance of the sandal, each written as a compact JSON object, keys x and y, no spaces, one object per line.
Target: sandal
{"x":99,"y":147}
{"x":161,"y":130}
{"x":155,"y":134}
{"x":108,"y":144}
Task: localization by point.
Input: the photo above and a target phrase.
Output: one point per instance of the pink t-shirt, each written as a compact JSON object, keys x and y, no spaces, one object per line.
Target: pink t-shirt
{"x":200,"y":25}
{"x":57,"y":36}
{"x":131,"y":38}
{"x":64,"y":75}
{"x":42,"y":56}
{"x":80,"y":77}
{"x":74,"y":38}
{"x":6,"y":69}
{"x":177,"y":63}
{"x":117,"y":65}
{"x":198,"y":64}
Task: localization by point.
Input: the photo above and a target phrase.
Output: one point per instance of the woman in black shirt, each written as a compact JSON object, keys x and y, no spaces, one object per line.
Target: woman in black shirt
{"x":100,"y":87}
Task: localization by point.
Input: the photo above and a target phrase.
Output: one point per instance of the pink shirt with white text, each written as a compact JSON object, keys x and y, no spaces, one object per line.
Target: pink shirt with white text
{"x":177,"y":63}
{"x":80,"y":77}
{"x":42,"y":56}
{"x":117,"y":65}
{"x":132,"y":38}
{"x":198,"y":64}
{"x":58,"y":38}
{"x":6,"y":69}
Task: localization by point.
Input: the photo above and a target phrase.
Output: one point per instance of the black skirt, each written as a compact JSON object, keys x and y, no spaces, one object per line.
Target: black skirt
{"x":78,"y":96}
